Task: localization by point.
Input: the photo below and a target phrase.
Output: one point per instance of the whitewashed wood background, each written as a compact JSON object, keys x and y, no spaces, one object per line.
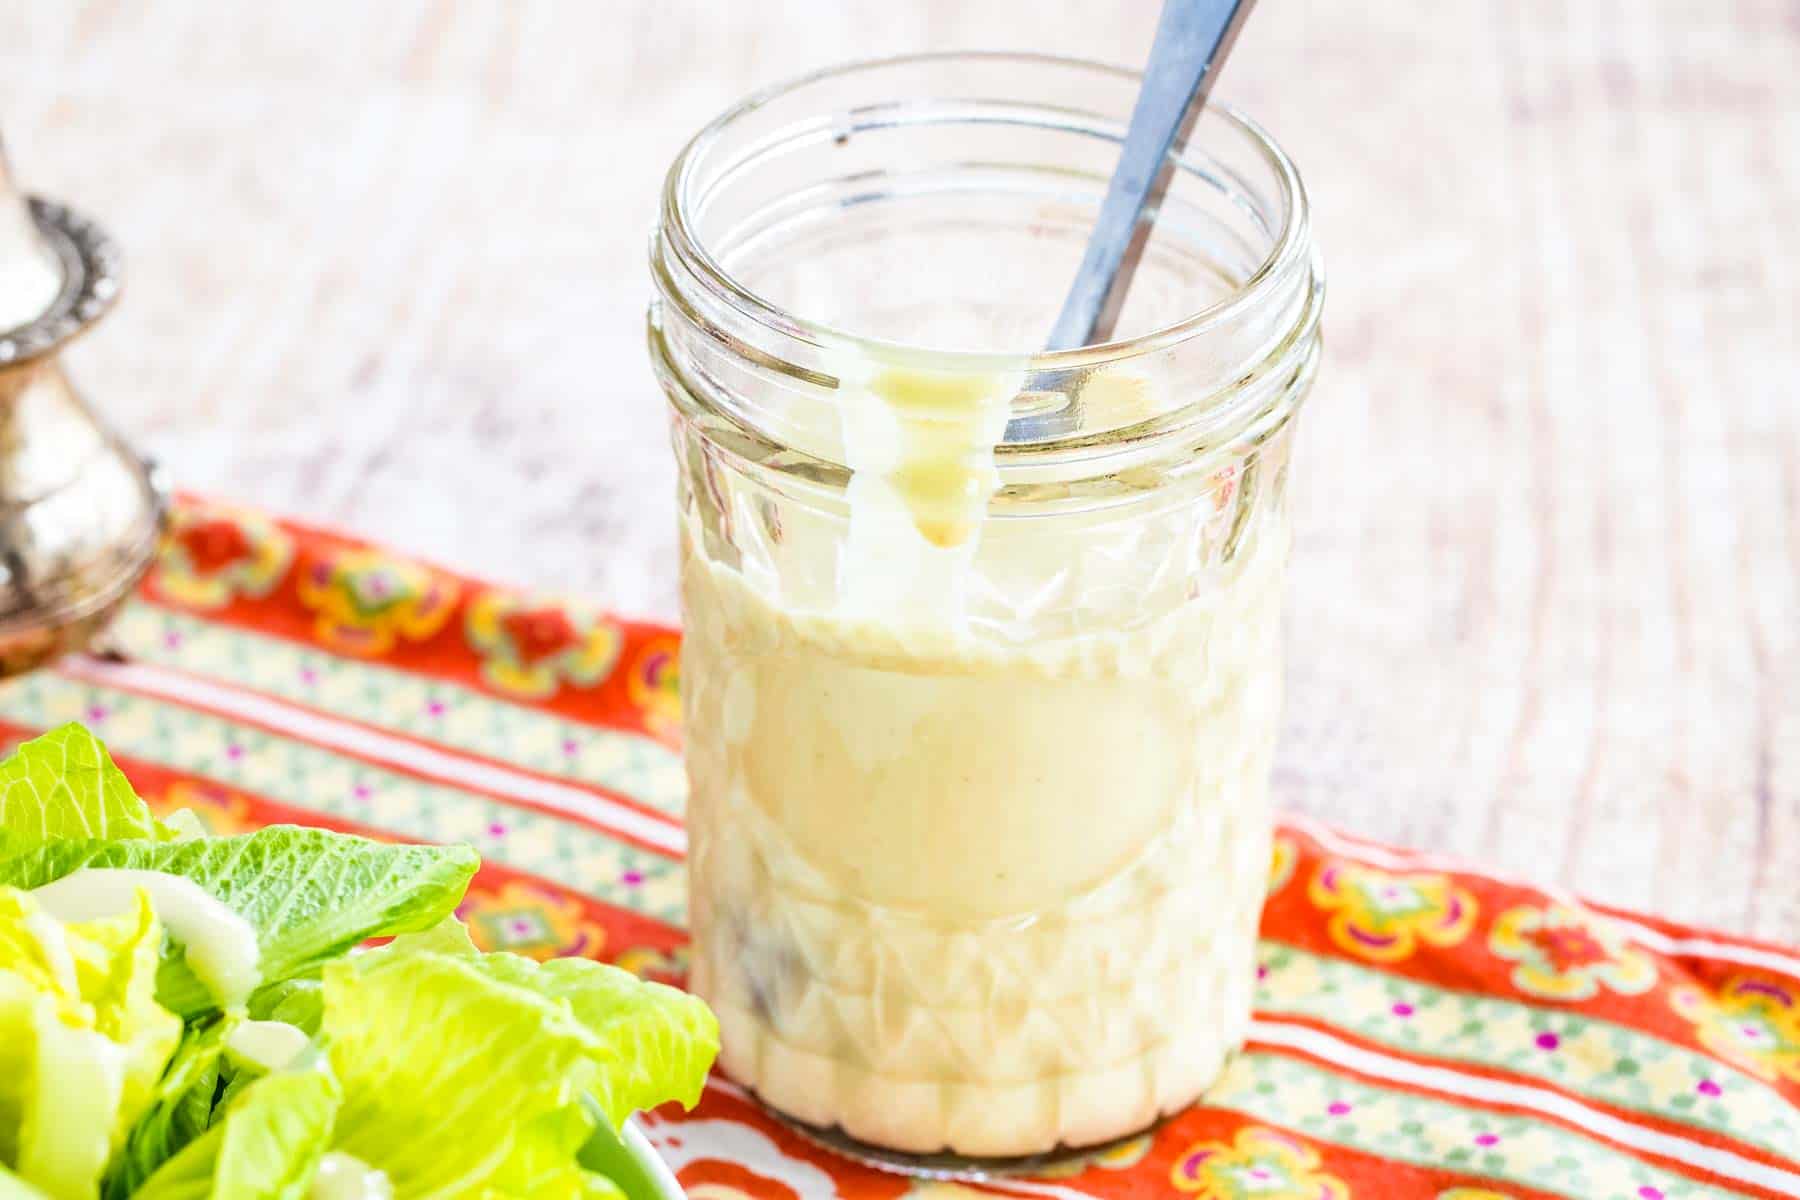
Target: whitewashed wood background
{"x":386,"y":269}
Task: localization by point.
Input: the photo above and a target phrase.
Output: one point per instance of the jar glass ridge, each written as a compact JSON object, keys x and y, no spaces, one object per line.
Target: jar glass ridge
{"x":975,"y":872}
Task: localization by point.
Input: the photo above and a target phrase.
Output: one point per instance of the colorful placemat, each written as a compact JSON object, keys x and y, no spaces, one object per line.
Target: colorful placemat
{"x":1423,"y":1029}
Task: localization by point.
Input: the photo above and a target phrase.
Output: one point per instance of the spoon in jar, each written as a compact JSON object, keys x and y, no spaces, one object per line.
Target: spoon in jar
{"x":1193,"y":38}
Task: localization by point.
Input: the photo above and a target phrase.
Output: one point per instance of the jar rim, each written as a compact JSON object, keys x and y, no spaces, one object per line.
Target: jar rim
{"x":1288,"y":249}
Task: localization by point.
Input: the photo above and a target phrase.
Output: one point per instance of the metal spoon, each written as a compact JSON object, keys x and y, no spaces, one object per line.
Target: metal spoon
{"x":1192,"y":39}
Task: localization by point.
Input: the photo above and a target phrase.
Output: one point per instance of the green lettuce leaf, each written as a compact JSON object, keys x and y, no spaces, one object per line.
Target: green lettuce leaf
{"x":64,"y":785}
{"x":82,"y":1040}
{"x":310,"y":894}
{"x":180,"y":1110}
{"x":656,"y":1044}
{"x":547,"y":1162}
{"x":265,"y":1146}
{"x":454,"y":1082}
{"x":299,"y":1002}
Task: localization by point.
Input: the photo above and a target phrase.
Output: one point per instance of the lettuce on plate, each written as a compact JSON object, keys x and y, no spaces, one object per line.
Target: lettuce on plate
{"x":424,"y":1068}
{"x":455,"y":1073}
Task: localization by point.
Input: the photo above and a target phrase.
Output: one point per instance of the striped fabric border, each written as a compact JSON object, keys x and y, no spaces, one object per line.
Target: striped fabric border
{"x":1424,"y":1028}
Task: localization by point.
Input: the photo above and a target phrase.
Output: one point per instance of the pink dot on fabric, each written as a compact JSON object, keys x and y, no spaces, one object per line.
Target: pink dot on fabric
{"x":1650,"y":1193}
{"x":570,"y":746}
{"x":435,"y":708}
{"x":172,"y":640}
{"x":1487,"y":1139}
{"x":1403,"y":1010}
{"x":308,"y":675}
{"x":234,"y":751}
{"x":496,"y":829}
{"x":1338,"y":1108}
{"x":1707,"y":1087}
{"x":1262,"y":971}
{"x":361,"y":791}
{"x":1548,"y":1041}
{"x":632,"y":878}
{"x":96,"y":712}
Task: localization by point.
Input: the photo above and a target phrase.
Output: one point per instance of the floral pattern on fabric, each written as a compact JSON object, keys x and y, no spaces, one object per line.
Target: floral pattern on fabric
{"x":523,"y":918}
{"x":1258,"y":1164}
{"x":647,"y":962}
{"x":1590,"y":1057}
{"x":530,"y":646}
{"x":220,"y":811}
{"x":1751,"y":1022}
{"x":1283,"y":854}
{"x":211,"y":555}
{"x":1722,"y":1095}
{"x":1121,"y":1157}
{"x":1566,"y":953}
{"x":655,"y":686}
{"x":364,"y":601}
{"x":1384,"y":916}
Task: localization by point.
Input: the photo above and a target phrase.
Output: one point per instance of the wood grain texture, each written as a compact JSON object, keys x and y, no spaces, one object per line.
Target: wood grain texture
{"x":386,"y":269}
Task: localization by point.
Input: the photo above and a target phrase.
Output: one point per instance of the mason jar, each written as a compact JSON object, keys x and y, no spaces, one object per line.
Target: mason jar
{"x":982,"y":661}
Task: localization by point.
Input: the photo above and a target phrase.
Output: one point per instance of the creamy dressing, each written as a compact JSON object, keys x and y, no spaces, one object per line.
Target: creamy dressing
{"x":344,"y":1177}
{"x":954,"y":892}
{"x":920,"y":446}
{"x":221,"y":946}
{"x":270,"y":1045}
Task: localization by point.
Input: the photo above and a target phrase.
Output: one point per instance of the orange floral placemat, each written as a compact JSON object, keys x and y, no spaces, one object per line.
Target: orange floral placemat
{"x":1423,"y":1029}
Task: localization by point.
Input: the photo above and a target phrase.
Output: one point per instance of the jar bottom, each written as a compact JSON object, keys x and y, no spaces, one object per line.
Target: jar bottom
{"x":952,"y":1168}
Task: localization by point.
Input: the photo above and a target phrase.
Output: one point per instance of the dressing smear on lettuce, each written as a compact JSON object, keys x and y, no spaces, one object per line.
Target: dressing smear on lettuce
{"x":181,"y":1017}
{"x":220,"y":945}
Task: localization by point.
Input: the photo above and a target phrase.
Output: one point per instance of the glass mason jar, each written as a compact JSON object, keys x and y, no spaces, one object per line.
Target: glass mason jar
{"x":982,"y":662}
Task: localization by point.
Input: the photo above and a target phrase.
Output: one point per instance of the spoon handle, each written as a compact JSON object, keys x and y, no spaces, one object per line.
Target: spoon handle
{"x":1192,"y":39}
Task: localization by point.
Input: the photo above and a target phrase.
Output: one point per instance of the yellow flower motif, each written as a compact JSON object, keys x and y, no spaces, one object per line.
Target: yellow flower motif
{"x":1384,"y":917}
{"x":1752,"y":1022}
{"x":1120,"y":1157}
{"x":526,"y":919}
{"x":655,"y":685}
{"x":1566,"y":953}
{"x":531,"y":646}
{"x":364,"y":601}
{"x":647,"y":962}
{"x":1283,"y":854}
{"x":212,"y":554}
{"x":220,"y":811}
{"x":1259,"y":1164}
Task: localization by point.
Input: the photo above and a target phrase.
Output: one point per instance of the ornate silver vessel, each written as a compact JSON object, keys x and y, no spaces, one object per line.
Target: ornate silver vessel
{"x":80,"y":512}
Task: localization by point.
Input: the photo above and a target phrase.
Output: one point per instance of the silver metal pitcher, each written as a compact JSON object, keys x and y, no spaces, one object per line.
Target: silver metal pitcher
{"x":80,"y":511}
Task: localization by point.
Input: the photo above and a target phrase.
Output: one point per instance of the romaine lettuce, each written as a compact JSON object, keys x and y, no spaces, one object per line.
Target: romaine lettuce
{"x":84,"y":1040}
{"x":63,"y":784}
{"x":310,"y":894}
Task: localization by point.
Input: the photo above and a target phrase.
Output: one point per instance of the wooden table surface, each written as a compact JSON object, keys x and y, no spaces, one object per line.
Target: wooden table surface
{"x":386,"y":268}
